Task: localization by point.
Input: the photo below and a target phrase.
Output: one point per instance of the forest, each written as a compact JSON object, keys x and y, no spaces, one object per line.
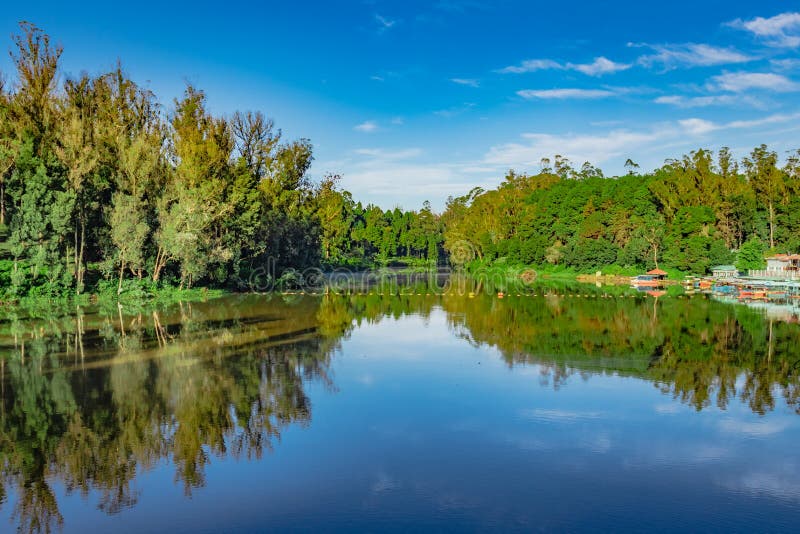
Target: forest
{"x":693,"y":213}
{"x":103,"y":189}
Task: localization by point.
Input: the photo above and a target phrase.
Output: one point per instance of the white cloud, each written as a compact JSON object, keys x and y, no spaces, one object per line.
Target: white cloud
{"x":393,"y":155}
{"x":701,"y":127}
{"x":737,"y":82}
{"x":690,"y":55}
{"x":384,"y":23}
{"x":681,"y":101}
{"x":366,"y":127}
{"x":555,"y":415}
{"x":455,"y":110}
{"x":771,"y":119}
{"x":780,"y":31}
{"x":578,"y":147}
{"x":779,"y":484}
{"x":601,"y":65}
{"x":404,"y":177}
{"x":697,"y":126}
{"x":600,"y":148}
{"x":471,"y":82}
{"x":754,"y":428}
{"x":562,"y":94}
{"x":531,"y":65}
{"x":785,"y":64}
{"x":667,"y":409}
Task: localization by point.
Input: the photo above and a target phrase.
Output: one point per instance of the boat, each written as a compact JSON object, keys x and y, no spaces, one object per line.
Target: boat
{"x":725,"y":289}
{"x":705,"y":284}
{"x":753,"y":294}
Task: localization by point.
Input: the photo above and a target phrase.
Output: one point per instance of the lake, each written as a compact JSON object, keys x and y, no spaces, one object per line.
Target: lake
{"x":565,"y":408}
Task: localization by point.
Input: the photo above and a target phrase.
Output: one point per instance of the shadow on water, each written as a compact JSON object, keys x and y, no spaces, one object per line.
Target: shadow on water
{"x":93,"y":398}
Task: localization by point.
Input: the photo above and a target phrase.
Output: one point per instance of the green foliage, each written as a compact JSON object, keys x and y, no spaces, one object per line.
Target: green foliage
{"x":751,"y":255}
{"x":686,"y":216}
{"x":99,"y":187}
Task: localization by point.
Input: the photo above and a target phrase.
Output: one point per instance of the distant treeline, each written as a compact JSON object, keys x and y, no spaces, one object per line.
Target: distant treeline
{"x":689,"y":215}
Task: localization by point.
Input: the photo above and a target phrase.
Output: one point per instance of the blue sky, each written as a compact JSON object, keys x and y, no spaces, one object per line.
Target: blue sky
{"x":418,"y":100}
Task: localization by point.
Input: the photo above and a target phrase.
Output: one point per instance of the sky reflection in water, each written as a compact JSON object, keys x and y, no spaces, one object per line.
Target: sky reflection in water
{"x":384,"y":413}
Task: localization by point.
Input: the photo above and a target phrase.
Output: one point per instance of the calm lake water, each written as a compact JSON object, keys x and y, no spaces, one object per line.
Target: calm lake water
{"x":402,"y":412}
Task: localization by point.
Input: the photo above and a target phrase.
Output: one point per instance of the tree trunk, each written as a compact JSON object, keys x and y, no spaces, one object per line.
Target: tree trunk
{"x":2,"y":202}
{"x":121,"y":272}
{"x":75,"y":253}
{"x":771,"y":225}
{"x":81,"y":269}
{"x":159,"y":264}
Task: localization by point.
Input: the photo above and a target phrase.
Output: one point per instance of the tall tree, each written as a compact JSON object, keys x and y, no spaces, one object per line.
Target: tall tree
{"x":767,"y":181}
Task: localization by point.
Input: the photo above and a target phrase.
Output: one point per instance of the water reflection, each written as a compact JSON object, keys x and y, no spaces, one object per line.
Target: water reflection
{"x":95,"y":399}
{"x":92,"y":399}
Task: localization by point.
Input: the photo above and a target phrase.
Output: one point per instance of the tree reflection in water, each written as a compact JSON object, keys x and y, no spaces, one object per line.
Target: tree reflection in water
{"x":95,"y":397}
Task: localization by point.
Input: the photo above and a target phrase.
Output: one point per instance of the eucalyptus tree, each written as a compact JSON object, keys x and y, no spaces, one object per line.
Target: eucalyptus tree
{"x":767,"y":182}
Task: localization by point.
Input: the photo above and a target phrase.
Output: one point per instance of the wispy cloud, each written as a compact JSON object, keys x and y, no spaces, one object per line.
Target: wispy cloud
{"x":777,"y":118}
{"x":460,"y":6}
{"x":754,"y":428}
{"x":779,"y":31}
{"x":785,"y":64}
{"x":405,"y":177}
{"x":671,"y":56}
{"x":384,"y":23}
{"x":455,"y":110}
{"x":700,"y":127}
{"x":388,"y":154}
{"x":531,"y":65}
{"x":578,"y":147}
{"x":558,"y":416}
{"x":738,"y":82}
{"x":685,"y":102}
{"x":564,"y":94}
{"x":600,"y":148}
{"x":471,"y":82}
{"x":366,"y":127}
{"x":598,"y":67}
{"x":697,"y":127}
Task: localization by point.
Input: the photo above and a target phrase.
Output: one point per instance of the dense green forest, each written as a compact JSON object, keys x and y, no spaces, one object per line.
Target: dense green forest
{"x":104,"y":189}
{"x":690,"y":214}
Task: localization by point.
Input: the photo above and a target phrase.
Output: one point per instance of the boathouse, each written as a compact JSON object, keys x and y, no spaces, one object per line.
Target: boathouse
{"x":780,"y":267}
{"x":724,"y":271}
{"x":657,"y":274}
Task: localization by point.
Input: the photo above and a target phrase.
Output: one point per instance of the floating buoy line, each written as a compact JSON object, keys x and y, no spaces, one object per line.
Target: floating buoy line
{"x":499,"y":295}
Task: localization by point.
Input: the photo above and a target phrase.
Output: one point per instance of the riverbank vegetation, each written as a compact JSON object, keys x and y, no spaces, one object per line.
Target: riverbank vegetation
{"x":687,"y":216}
{"x":105,"y":190}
